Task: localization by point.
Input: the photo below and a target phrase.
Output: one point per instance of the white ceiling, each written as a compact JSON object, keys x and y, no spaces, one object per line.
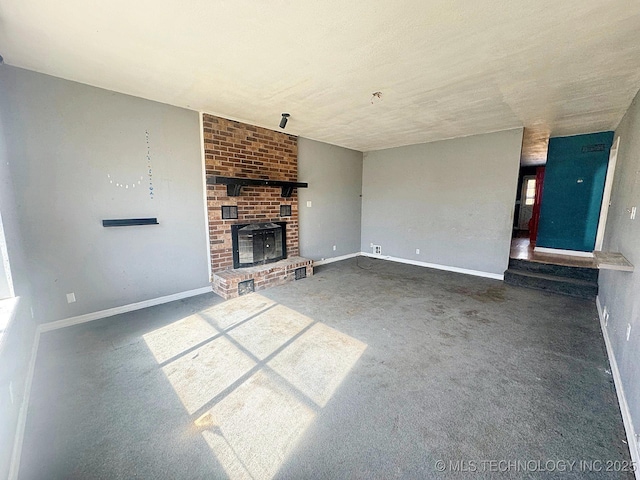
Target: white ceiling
{"x":446,"y":68}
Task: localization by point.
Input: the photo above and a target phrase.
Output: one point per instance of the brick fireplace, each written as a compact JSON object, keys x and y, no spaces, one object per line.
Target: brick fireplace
{"x":237,"y":150}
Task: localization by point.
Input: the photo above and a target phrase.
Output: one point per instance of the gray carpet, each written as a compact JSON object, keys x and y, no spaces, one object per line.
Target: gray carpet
{"x":368,"y":369}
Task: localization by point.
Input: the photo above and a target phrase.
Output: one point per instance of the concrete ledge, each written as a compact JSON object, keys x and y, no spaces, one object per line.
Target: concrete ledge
{"x":557,"y":251}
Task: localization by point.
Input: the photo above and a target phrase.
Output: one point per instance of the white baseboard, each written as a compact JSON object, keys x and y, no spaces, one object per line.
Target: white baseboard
{"x":24,"y":407}
{"x":557,"y":251}
{"x":324,"y":261}
{"x":622,"y":400}
{"x":88,"y":317}
{"x":476,"y":273}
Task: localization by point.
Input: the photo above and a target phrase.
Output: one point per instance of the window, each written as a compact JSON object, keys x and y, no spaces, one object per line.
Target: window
{"x":530,"y":194}
{"x":6,"y":282}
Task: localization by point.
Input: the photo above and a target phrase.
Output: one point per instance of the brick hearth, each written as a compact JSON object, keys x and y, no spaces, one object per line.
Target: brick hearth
{"x":225,"y":283}
{"x":235,"y":149}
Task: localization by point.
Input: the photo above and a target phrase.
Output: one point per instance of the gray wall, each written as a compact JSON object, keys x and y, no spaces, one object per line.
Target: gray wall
{"x":452,"y":199}
{"x":334,"y":175}
{"x":65,"y":142}
{"x":619,"y":291}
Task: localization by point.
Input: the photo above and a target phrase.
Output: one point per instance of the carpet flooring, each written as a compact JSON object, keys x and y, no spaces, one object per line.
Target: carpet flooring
{"x":367,"y":370}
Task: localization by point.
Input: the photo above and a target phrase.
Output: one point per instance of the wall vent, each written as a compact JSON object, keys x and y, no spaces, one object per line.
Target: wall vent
{"x":301,"y":273}
{"x":229,"y":212}
{"x":246,"y":287}
{"x":285,"y":210}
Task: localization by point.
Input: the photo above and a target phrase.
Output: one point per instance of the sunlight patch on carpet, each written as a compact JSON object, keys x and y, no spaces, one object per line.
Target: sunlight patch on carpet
{"x":318,"y":361}
{"x":230,"y":312}
{"x":256,"y":374}
{"x":169,"y":341}
{"x":204,"y":373}
{"x":270,"y":330}
{"x":255,"y":428}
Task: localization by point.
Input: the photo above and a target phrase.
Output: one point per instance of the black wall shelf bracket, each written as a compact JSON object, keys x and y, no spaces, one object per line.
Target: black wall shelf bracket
{"x":233,"y":190}
{"x":287,"y":191}
{"x":128,"y":222}
{"x":234,"y":185}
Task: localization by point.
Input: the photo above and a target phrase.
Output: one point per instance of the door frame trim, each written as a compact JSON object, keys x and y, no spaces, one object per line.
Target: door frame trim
{"x":606,"y":195}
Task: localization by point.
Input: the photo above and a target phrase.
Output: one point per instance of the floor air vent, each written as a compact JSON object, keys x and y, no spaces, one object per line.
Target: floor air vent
{"x":246,"y":287}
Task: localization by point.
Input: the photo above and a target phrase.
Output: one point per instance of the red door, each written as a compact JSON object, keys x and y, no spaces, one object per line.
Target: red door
{"x":535,"y":216}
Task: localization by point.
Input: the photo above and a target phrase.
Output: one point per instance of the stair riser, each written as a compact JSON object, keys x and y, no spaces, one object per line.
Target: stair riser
{"x":579,"y":273}
{"x":555,"y":286}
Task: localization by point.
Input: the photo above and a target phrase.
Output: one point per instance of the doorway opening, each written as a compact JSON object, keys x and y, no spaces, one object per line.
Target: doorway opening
{"x":527,"y":211}
{"x":533,"y":158}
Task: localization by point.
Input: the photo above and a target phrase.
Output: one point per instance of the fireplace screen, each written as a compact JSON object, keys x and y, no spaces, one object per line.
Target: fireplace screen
{"x":258,"y":243}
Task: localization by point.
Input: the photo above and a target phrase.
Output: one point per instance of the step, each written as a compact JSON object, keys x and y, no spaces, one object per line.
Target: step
{"x":552,"y":283}
{"x":579,"y":273}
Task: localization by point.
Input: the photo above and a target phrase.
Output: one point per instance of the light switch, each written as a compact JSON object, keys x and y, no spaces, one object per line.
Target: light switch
{"x":309,"y":204}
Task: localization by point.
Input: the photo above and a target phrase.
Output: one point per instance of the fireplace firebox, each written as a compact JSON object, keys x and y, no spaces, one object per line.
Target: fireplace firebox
{"x":258,"y":243}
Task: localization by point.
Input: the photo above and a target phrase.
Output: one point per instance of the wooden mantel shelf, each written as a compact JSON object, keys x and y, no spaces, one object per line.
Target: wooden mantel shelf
{"x":612,"y":261}
{"x":234,"y":184}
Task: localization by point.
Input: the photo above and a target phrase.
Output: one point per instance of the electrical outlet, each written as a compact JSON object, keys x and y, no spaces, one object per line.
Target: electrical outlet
{"x":71,"y":297}
{"x":377,"y":249}
{"x":11,"y":392}
{"x":334,"y":248}
{"x":417,"y":251}
{"x":628,"y":331}
{"x":371,"y":245}
{"x":632,"y":216}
